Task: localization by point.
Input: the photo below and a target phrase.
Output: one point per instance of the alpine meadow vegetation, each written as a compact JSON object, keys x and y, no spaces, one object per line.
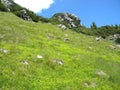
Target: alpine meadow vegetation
{"x":41,"y":56}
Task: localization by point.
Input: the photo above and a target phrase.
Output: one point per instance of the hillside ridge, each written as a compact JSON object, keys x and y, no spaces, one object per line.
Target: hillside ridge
{"x":64,"y":21}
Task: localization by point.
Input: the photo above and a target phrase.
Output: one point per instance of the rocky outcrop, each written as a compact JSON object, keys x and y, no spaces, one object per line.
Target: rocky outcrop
{"x":20,"y":12}
{"x":113,"y":37}
{"x":25,"y":16}
{"x":70,"y":20}
{"x":7,"y":3}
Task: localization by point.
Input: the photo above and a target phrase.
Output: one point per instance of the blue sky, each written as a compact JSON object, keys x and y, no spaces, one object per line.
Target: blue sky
{"x":102,"y":12}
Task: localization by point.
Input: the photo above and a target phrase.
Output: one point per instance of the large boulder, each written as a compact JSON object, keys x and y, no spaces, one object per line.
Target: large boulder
{"x":24,"y":15}
{"x":70,"y":20}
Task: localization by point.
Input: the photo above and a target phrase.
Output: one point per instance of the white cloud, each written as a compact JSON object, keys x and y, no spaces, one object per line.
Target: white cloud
{"x":35,"y":5}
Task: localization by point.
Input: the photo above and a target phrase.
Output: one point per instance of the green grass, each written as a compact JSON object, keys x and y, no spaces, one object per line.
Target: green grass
{"x":82,"y":56}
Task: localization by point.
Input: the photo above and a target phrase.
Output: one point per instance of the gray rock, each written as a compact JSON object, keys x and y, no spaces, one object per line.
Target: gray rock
{"x":112,"y":47}
{"x":59,"y":62}
{"x":69,"y":19}
{"x":118,"y":45}
{"x":90,"y":84}
{"x":7,"y":3}
{"x":50,"y":35}
{"x":66,"y":39}
{"x":25,"y":15}
{"x":90,"y":47}
{"x":4,"y":51}
{"x":25,"y":63}
{"x":63,"y":27}
{"x":39,"y":56}
{"x":98,"y":38}
{"x":101,"y":73}
{"x":116,"y":36}
{"x":24,"y":12}
{"x":113,"y":37}
{"x":66,"y":35}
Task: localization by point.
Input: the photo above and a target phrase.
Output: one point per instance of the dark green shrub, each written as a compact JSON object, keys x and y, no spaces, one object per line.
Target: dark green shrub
{"x":3,"y":7}
{"x":118,"y":40}
{"x":15,"y":8}
{"x":34,"y":17}
{"x":17,"y":13}
{"x":46,"y":20}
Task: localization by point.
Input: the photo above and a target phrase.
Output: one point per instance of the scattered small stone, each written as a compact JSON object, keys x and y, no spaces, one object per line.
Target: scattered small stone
{"x":111,"y":37}
{"x":66,"y":35}
{"x":90,"y":84}
{"x":49,"y":35}
{"x":101,"y":73}
{"x":4,"y":51}
{"x":66,"y":39}
{"x":112,"y":47}
{"x":48,"y":23}
{"x":118,"y":45}
{"x":25,"y":63}
{"x":93,"y":85}
{"x":98,"y":38}
{"x":86,"y":84}
{"x":13,"y":73}
{"x":90,"y":48}
{"x":39,"y":56}
{"x":59,"y":62}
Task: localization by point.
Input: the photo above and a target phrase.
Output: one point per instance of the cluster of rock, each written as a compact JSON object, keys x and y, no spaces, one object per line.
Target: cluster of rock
{"x":71,"y":20}
{"x":100,"y":74}
{"x":7,"y":3}
{"x":25,"y":16}
{"x":23,"y":13}
{"x":25,"y":62}
{"x":62,"y":26}
{"x":114,"y":37}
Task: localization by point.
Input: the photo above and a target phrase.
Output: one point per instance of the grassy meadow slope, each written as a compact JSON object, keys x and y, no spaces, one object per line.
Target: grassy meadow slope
{"x":30,"y":52}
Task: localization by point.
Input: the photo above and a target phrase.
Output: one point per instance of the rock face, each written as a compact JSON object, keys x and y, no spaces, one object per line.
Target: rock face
{"x":7,"y":3}
{"x":70,"y":20}
{"x":24,"y":15}
{"x":113,"y":37}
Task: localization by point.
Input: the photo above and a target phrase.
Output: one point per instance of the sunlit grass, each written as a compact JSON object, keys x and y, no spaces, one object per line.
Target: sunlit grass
{"x":82,"y":56}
